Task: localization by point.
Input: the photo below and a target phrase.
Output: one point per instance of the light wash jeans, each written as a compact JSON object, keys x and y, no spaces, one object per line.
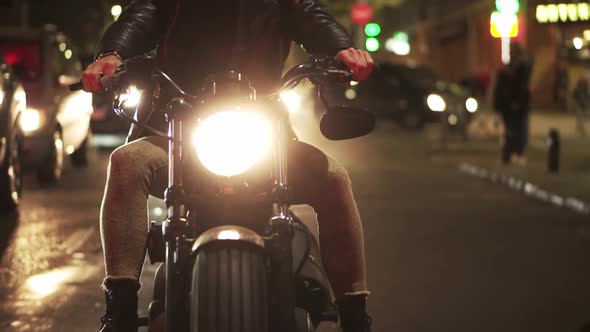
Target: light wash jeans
{"x":139,"y":169}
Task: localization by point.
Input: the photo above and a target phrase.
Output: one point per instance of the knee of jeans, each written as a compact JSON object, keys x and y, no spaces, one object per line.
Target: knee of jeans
{"x":337,"y":174}
{"x":128,"y":165}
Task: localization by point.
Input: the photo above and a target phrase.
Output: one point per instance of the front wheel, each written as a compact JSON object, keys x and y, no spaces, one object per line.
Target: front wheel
{"x":230,"y":289}
{"x":11,"y":176}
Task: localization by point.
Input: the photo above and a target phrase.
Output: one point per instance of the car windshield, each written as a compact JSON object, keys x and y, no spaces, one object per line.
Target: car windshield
{"x":24,"y":57}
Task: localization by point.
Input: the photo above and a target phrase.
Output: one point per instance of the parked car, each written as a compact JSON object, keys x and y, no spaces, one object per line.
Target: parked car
{"x":12,"y":104}
{"x":57,"y":121}
{"x":411,"y":96}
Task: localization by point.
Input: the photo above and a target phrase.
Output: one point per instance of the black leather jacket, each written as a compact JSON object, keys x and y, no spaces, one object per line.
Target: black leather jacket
{"x":198,"y":37}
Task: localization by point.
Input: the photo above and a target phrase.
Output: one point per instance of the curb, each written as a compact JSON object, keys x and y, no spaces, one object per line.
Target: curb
{"x":527,"y":188}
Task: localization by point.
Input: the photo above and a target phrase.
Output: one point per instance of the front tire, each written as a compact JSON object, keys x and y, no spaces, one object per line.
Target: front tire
{"x":11,"y":176}
{"x":230,"y":289}
{"x":51,"y":170}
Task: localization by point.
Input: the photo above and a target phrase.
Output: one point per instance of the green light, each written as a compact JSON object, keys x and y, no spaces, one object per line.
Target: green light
{"x":372,"y":29}
{"x":372,"y":44}
{"x":508,"y":6}
{"x":401,"y":36}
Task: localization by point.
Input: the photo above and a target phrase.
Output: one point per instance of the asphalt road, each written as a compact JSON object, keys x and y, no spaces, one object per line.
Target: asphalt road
{"x":445,"y":252}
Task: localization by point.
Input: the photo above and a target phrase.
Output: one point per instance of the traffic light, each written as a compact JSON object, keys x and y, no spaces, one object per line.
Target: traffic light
{"x":372,"y":31}
{"x":504,"y":21}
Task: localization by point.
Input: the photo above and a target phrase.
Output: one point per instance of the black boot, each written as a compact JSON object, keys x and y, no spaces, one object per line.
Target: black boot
{"x":121,"y":313}
{"x":353,"y":313}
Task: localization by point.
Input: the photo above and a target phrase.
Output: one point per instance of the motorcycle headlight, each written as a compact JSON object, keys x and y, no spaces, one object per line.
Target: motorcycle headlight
{"x":230,"y":143}
{"x":436,"y":103}
{"x":30,"y":120}
{"x":471,"y":105}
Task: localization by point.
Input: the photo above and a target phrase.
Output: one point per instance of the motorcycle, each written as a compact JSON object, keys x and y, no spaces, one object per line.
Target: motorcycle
{"x":233,"y":256}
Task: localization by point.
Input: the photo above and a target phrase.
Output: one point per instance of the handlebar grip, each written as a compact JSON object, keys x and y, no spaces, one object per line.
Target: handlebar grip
{"x":76,"y":87}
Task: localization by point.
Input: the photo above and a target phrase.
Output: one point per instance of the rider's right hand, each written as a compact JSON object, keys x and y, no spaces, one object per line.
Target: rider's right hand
{"x":104,"y":66}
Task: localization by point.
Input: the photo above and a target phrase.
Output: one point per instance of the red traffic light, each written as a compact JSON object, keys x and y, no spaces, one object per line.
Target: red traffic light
{"x":361,"y":13}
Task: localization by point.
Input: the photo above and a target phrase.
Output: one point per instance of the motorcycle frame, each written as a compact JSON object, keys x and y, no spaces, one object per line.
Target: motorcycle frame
{"x":278,"y":241}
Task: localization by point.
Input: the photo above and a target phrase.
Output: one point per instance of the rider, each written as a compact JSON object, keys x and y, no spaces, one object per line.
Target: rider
{"x":195,"y":38}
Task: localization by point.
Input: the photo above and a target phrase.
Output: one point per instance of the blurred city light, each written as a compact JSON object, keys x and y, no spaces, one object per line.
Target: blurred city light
{"x":436,"y":103}
{"x":563,"y":12}
{"x":503,"y":25}
{"x":372,"y":30}
{"x":506,"y":50}
{"x":399,"y":44}
{"x":372,"y":44}
{"x":472,"y":105}
{"x":587,"y":34}
{"x":62,"y":47}
{"x":350,"y":94}
{"x":508,"y":6}
{"x":68,"y":54}
{"x":578,"y":43}
{"x":116,"y":11}
{"x":30,"y":120}
{"x":453,"y":120}
{"x":361,"y":13}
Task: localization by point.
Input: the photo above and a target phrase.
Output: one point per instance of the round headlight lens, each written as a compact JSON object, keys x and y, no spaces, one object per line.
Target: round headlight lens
{"x":230,"y":143}
{"x":30,"y":120}
{"x":471,"y":105}
{"x":436,"y":103}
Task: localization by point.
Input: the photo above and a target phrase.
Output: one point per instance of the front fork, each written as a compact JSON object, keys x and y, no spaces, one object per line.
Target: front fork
{"x":281,"y":250}
{"x":175,"y":227}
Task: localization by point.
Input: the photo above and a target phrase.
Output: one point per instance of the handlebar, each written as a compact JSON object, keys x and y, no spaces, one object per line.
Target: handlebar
{"x":318,"y":70}
{"x":106,"y":82}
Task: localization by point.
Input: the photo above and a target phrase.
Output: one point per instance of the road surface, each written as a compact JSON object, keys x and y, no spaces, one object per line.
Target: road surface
{"x":445,"y":252}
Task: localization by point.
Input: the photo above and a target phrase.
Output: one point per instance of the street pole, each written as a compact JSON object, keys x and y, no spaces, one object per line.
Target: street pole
{"x":25,"y":12}
{"x":359,"y":36}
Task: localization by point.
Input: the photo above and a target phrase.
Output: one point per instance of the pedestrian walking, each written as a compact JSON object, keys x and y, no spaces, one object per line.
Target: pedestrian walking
{"x":512,"y":101}
{"x":581,"y":98}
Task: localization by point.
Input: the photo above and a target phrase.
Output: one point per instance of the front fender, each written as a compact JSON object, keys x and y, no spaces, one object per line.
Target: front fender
{"x":228,"y":233}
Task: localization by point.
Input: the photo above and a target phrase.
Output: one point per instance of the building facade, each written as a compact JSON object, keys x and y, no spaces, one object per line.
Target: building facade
{"x":453,"y":37}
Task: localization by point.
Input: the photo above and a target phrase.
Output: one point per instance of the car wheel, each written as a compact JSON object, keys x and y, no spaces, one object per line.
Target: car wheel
{"x":412,"y":120}
{"x":80,"y":157}
{"x":11,"y":176}
{"x":51,"y":170}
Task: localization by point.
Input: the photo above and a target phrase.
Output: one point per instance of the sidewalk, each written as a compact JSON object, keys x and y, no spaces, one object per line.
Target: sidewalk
{"x":482,"y":150}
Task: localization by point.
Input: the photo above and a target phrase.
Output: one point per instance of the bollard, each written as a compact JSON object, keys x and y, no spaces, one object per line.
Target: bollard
{"x":553,"y":151}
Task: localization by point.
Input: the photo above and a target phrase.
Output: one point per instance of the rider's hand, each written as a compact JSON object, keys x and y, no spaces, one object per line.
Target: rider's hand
{"x":359,"y":61}
{"x":104,"y":66}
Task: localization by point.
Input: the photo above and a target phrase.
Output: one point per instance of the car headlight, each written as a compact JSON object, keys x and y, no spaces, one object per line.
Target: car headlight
{"x":30,"y":120}
{"x":230,"y":143}
{"x":436,"y":103}
{"x":471,"y":105}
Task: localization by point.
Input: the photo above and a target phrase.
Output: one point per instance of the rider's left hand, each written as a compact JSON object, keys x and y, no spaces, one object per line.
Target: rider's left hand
{"x":359,"y":61}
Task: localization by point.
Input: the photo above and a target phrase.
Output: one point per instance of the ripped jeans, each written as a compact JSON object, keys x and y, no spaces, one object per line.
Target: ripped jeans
{"x":140,"y":168}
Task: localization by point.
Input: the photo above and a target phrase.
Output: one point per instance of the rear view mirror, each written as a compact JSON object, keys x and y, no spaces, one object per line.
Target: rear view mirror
{"x":345,"y":122}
